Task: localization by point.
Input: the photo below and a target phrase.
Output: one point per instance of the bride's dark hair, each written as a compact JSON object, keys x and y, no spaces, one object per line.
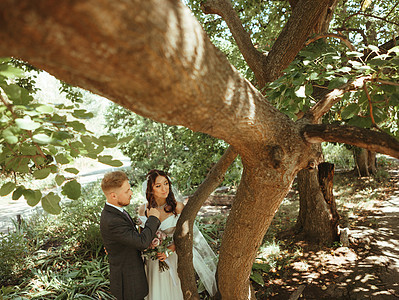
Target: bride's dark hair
{"x":170,"y":199}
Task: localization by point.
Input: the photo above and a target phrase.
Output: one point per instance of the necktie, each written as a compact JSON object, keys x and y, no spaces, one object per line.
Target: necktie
{"x":127,"y":215}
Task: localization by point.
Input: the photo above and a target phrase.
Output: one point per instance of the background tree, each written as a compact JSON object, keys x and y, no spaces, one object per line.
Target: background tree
{"x":152,"y":55}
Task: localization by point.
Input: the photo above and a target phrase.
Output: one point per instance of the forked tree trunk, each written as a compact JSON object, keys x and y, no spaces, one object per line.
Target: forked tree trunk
{"x":318,"y":215}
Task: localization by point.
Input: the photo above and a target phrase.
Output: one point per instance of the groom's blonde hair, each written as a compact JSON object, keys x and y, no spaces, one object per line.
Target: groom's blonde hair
{"x":113,"y":180}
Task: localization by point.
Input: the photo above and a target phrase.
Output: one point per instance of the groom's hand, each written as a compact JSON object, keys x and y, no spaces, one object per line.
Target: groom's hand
{"x":154,"y":212}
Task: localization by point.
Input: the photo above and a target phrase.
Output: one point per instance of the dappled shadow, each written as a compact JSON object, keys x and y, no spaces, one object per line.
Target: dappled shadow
{"x":368,"y":269}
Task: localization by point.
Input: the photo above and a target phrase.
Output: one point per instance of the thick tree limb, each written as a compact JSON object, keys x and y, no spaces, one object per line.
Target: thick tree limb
{"x":252,"y":56}
{"x":306,"y":13}
{"x":150,"y":56}
{"x":293,"y":36}
{"x":184,"y":227}
{"x":361,"y":137}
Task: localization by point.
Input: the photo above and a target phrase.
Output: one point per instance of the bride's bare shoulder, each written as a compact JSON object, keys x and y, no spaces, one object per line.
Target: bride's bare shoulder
{"x":179,"y":207}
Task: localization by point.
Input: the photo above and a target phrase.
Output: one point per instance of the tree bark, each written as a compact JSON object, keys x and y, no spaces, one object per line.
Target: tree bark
{"x":318,"y":215}
{"x":361,"y":137}
{"x":365,"y":162}
{"x":184,"y":227}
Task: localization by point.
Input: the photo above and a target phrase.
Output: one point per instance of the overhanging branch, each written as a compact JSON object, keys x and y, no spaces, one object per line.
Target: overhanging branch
{"x":361,"y":137}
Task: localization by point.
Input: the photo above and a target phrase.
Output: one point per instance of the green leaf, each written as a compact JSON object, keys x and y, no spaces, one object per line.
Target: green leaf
{"x":41,"y":138}
{"x":354,"y":54}
{"x":107,"y":141}
{"x":7,"y":188}
{"x":377,"y":62}
{"x":126,"y":139}
{"x":23,"y":165}
{"x":32,"y":196}
{"x":51,"y":203}
{"x":314,"y":76}
{"x":27,"y":124}
{"x":11,"y":139}
{"x":373,"y":48}
{"x":62,"y":135}
{"x":355,"y":64}
{"x":264,"y":267}
{"x":61,"y":159}
{"x":309,"y":89}
{"x":72,"y":190}
{"x":337,"y":82}
{"x":59,"y":179}
{"x":108,"y":160}
{"x":10,"y":136}
{"x":82,"y":114}
{"x":364,"y":68}
{"x":350,"y":111}
{"x":360,"y":122}
{"x":18,"y":193}
{"x":257,"y":277}
{"x":17,"y":95}
{"x":45,"y":109}
{"x":72,"y":170}
{"x":28,"y":150}
{"x":344,"y":69}
{"x":42,"y":173}
{"x":76,"y":125}
{"x":11,"y":71}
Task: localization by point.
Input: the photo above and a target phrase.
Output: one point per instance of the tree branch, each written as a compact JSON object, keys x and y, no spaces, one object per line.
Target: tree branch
{"x":305,"y":14}
{"x":338,"y":36}
{"x":361,"y":137}
{"x":184,"y":228}
{"x":325,"y":104}
{"x":253,"y":57}
{"x":293,"y":36}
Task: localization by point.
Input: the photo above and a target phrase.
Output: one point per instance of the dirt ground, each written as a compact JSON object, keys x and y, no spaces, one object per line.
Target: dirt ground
{"x":367,"y":269}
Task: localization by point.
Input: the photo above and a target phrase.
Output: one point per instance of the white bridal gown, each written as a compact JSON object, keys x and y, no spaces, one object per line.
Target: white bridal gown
{"x":166,"y":285}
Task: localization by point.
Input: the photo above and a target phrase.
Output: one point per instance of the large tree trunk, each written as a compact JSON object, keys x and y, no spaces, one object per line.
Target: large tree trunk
{"x":318,"y":215}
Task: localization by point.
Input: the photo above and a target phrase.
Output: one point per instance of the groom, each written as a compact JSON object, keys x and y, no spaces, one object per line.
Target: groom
{"x":122,"y":241}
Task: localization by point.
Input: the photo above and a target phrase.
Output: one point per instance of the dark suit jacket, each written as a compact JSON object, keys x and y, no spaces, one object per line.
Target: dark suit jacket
{"x":124,"y":245}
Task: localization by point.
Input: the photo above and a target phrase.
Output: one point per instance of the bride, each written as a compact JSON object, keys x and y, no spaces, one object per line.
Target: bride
{"x":166,"y":284}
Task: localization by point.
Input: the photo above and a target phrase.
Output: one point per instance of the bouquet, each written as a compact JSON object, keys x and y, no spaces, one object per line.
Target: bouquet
{"x":159,"y":244}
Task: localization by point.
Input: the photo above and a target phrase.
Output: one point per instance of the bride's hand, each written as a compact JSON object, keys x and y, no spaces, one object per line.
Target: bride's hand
{"x":172,"y":248}
{"x":161,"y":256}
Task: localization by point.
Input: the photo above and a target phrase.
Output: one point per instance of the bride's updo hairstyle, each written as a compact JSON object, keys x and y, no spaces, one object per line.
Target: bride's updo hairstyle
{"x":149,"y":194}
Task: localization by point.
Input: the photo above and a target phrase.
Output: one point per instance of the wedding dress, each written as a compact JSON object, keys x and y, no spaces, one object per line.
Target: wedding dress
{"x":166,"y":285}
